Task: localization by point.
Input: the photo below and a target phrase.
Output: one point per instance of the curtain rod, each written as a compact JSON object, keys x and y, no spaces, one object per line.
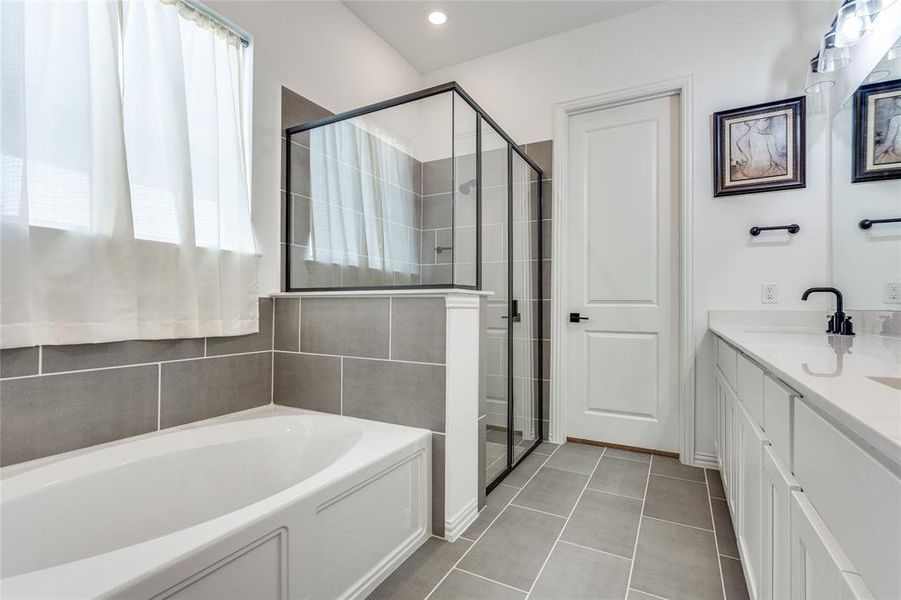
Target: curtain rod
{"x":242,"y":34}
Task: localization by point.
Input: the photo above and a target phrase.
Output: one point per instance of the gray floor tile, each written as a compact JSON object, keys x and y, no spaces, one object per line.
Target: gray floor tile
{"x":636,"y":595}
{"x":460,"y":585}
{"x":580,"y":458}
{"x":715,"y":484}
{"x":496,"y":501}
{"x":722,"y":525}
{"x":734,"y":579}
{"x":671,"y":467}
{"x":525,"y":470}
{"x":679,"y":501}
{"x":514,"y":547}
{"x":676,"y":562}
{"x":604,"y":522}
{"x":494,"y":451}
{"x":414,"y":579}
{"x":553,"y":491}
{"x":575,"y":573}
{"x":546,"y":448}
{"x":628,"y":455}
{"x":617,"y":476}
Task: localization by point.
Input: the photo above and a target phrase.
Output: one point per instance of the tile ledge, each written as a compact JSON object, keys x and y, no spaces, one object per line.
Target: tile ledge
{"x":440,"y":292}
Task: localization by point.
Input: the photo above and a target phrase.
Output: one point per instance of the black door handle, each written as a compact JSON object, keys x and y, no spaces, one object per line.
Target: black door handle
{"x":576,"y":317}
{"x":516,"y":316}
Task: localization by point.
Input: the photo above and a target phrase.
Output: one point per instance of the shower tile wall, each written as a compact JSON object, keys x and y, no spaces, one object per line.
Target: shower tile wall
{"x":402,"y":195}
{"x":379,"y":358}
{"x":542,"y":154}
{"x":61,"y":398}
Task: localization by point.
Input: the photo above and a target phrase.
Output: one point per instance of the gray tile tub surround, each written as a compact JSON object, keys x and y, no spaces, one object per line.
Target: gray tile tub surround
{"x":61,"y":398}
{"x":378,"y":358}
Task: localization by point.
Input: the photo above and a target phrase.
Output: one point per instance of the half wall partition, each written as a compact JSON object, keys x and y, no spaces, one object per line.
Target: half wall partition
{"x":426,"y":191}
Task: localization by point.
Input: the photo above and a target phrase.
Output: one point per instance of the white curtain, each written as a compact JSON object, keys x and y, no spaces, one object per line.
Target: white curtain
{"x":125,"y":209}
{"x":363,"y":212}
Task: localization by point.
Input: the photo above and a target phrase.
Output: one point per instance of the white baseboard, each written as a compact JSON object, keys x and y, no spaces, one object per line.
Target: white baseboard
{"x":706,"y":460}
{"x":456,"y":525}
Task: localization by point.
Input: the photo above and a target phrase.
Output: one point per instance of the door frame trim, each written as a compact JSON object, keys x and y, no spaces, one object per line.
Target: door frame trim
{"x":563,"y":111}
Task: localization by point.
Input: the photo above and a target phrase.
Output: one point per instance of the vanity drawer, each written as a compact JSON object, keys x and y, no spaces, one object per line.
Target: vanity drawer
{"x":857,"y":497}
{"x":777,"y":417}
{"x":749,"y":385}
{"x":725,"y":358}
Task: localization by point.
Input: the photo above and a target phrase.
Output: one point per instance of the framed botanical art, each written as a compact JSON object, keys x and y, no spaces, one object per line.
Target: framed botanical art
{"x":877,"y":132}
{"x":759,"y":148}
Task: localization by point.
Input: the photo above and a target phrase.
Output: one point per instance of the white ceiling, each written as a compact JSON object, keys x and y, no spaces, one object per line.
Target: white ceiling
{"x":478,"y":27}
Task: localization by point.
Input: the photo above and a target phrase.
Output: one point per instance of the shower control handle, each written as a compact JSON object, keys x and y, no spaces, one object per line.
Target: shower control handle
{"x":576,"y":317}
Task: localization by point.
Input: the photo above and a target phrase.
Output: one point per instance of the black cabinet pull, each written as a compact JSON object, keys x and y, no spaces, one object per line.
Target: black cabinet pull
{"x":867,"y":223}
{"x":576,"y":317}
{"x":793,"y":228}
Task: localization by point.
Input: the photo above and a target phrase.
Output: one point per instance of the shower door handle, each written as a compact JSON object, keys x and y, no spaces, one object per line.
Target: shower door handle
{"x":516,"y":316}
{"x":576,"y":317}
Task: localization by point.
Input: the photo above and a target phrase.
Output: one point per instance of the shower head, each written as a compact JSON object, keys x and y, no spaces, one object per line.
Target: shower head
{"x":466,"y":186}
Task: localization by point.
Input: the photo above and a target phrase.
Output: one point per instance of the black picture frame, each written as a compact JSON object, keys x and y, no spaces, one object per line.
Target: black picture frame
{"x":791,"y":175}
{"x":865,"y":99}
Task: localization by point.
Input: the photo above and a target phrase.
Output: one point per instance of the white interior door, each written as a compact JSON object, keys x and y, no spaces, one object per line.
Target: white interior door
{"x":621,"y":261}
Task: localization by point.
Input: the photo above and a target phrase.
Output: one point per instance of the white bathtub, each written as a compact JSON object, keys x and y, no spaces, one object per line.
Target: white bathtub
{"x":268,"y":503}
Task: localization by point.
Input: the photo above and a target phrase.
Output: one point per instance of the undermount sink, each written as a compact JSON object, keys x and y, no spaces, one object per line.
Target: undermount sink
{"x":892,"y":382}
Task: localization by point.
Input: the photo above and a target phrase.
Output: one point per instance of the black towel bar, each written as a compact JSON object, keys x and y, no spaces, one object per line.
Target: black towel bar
{"x":867,"y":223}
{"x":793,"y":228}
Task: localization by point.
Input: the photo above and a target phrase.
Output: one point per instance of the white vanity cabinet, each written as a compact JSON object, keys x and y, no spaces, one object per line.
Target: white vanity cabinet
{"x":776,"y":494}
{"x":797,"y":543}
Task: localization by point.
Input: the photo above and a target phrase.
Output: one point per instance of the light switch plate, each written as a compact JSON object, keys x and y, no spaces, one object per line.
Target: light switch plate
{"x":891,"y":292}
{"x":768,"y":293}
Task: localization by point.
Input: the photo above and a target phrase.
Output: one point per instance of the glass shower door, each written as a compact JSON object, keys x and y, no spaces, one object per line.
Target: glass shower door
{"x":525,"y":304}
{"x":494,"y":175}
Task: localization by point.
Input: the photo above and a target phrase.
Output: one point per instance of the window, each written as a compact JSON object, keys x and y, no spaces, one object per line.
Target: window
{"x":125,"y":173}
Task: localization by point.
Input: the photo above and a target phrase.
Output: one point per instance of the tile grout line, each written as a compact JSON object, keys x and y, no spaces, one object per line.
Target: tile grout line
{"x":159,"y":396}
{"x":594,"y":550}
{"x":716,"y":542}
{"x":272,"y":362}
{"x":507,"y":505}
{"x":565,"y":523}
{"x":487,"y":579}
{"x":647,"y":594}
{"x":678,"y":523}
{"x":148,"y":363}
{"x":680,"y":478}
{"x":613,"y":493}
{"x":638,"y":533}
{"x":543,"y":512}
{"x":410,"y":362}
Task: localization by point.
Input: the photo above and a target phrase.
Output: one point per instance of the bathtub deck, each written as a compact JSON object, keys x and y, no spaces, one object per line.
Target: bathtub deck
{"x":578,"y":521}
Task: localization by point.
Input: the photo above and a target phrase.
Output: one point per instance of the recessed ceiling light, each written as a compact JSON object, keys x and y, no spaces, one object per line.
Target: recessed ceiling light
{"x":437,"y":17}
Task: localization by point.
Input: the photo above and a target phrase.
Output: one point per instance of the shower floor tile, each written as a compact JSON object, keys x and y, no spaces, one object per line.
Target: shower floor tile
{"x":520,"y":552}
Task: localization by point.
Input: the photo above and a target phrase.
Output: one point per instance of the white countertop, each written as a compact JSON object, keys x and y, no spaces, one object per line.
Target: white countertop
{"x":833,"y":374}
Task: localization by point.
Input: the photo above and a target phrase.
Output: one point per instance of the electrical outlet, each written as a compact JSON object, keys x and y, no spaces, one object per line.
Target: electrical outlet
{"x":768,"y":293}
{"x":891,"y":292}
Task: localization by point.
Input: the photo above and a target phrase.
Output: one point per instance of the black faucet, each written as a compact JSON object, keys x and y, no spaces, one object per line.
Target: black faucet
{"x":838,"y":323}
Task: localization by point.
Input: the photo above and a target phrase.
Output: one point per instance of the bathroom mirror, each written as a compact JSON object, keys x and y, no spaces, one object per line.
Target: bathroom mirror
{"x":866,"y":252}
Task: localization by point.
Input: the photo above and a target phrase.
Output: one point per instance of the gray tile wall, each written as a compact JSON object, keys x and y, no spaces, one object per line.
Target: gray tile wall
{"x":543,"y":154}
{"x":61,"y":398}
{"x":373,"y":358}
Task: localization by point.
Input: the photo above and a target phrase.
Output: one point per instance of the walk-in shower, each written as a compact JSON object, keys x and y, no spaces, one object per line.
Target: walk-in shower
{"x":427,"y":191}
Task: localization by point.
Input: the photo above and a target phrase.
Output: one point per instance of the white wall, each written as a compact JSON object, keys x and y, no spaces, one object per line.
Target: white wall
{"x":323,"y":52}
{"x":738,"y":53}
